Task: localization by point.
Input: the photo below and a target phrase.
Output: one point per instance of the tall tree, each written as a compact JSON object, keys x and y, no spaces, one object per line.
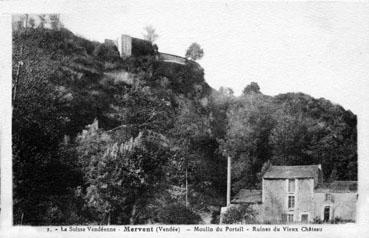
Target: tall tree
{"x":251,"y":88}
{"x":290,"y":139}
{"x":194,"y":51}
{"x":150,"y":34}
{"x":246,"y":141}
{"x":189,"y":129}
{"x":32,"y":22}
{"x":42,"y":20}
{"x":54,"y":21}
{"x":120,"y":177}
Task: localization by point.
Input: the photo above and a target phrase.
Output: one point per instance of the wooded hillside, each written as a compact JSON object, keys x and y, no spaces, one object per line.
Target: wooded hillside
{"x":101,"y":140}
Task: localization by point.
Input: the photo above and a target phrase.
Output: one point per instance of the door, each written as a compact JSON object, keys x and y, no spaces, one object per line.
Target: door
{"x":326,"y":214}
{"x":304,"y":218}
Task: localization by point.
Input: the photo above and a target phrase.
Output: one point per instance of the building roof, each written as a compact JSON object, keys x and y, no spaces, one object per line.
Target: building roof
{"x":301,"y":171}
{"x":337,"y":187}
{"x":248,"y":196}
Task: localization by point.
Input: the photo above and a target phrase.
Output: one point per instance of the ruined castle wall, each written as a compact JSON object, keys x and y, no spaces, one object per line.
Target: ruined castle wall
{"x":124,"y":45}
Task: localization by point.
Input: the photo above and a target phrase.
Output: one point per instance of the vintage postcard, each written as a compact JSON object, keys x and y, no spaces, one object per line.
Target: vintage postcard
{"x":185,"y":118}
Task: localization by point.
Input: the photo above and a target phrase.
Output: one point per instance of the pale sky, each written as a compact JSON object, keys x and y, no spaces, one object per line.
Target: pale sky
{"x":321,"y":49}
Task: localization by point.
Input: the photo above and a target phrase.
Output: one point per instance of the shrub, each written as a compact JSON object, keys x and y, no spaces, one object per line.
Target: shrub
{"x":317,"y":220}
{"x":338,"y":220}
{"x":105,"y":52}
{"x":239,"y":214}
{"x":178,"y":214}
{"x":215,"y":217}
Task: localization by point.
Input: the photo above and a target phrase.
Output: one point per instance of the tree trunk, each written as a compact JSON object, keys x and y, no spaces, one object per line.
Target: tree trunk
{"x":133,"y":213}
{"x":186,"y":188}
{"x":22,"y":218}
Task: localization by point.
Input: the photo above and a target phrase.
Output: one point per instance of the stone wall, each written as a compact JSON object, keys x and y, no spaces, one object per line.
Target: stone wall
{"x":304,"y":199}
{"x":274,"y":204}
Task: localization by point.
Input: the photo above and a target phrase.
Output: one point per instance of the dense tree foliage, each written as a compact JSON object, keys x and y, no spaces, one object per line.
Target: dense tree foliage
{"x":315,"y":131}
{"x":243,"y":214}
{"x":120,"y":178}
{"x":247,"y":137}
{"x":251,"y":88}
{"x":194,"y":51}
{"x":101,"y":140}
{"x":289,"y":129}
{"x":150,"y":34}
{"x":178,"y":214}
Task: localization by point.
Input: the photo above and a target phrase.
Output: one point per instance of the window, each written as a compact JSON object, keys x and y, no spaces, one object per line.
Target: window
{"x":289,"y":217}
{"x":291,"y":185}
{"x":328,"y":197}
{"x":284,"y":218}
{"x":291,"y":202}
{"x":304,"y":218}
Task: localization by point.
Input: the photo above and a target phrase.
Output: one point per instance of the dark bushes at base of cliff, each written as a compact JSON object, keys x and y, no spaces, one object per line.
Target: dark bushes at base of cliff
{"x":178,"y":214}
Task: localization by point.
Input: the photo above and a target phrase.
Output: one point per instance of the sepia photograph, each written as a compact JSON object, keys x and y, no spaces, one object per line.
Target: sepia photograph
{"x":206,"y":113}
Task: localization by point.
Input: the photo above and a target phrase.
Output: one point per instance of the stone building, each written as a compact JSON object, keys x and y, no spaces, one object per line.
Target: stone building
{"x":298,"y":194}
